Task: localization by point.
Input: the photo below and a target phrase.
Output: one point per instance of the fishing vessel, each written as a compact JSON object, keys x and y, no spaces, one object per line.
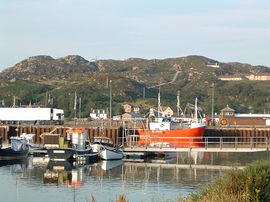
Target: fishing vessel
{"x":173,"y":132}
{"x":73,"y":147}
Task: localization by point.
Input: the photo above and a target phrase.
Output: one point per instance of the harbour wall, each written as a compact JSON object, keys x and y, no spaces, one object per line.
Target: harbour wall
{"x":8,"y":131}
{"x":116,"y":133}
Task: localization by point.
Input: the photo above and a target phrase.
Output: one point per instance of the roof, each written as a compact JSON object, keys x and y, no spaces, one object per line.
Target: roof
{"x":253,"y":115}
{"x":227,"y":109}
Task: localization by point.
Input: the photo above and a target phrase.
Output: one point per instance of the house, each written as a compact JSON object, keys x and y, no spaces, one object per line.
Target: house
{"x":227,"y":111}
{"x":127,"y":108}
{"x":166,"y":111}
{"x":99,"y":114}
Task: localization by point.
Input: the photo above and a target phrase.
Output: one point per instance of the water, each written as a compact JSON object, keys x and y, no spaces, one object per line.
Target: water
{"x":36,"y":179}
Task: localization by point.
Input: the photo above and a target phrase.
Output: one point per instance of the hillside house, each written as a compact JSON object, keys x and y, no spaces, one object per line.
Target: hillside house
{"x":259,"y":77}
{"x":166,"y":111}
{"x":236,"y":77}
{"x":127,"y":107}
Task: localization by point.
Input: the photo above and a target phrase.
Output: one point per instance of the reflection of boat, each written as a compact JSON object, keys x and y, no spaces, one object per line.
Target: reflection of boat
{"x":105,"y":149}
{"x":6,"y":162}
{"x":108,"y":165}
{"x":63,"y":172}
{"x":74,"y":148}
{"x":165,"y":132}
{"x":18,"y":149}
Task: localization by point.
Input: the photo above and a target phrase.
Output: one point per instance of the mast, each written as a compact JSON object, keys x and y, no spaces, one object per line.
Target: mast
{"x":159,"y":103}
{"x":196,"y":110}
{"x":178,"y":103}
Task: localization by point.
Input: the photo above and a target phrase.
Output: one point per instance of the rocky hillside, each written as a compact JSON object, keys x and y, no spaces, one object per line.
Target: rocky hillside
{"x":46,"y":66}
{"x":34,"y":78}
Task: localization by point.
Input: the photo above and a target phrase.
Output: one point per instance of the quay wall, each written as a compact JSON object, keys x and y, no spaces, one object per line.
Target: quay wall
{"x":115,"y":133}
{"x":7,"y":131}
{"x":242,"y":134}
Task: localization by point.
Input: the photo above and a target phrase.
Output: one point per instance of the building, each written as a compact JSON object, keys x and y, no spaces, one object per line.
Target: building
{"x":166,"y":111}
{"x":229,"y":118}
{"x":127,"y":108}
{"x":99,"y":114}
{"x":259,"y":77}
{"x":252,"y":77}
{"x":236,"y":77}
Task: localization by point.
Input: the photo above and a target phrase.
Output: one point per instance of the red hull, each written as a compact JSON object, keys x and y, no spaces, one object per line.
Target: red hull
{"x":184,"y":137}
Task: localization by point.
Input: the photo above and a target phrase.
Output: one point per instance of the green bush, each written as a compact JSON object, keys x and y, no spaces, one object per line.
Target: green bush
{"x":250,"y":184}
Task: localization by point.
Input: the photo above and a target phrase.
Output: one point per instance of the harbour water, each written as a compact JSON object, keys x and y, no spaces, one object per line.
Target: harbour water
{"x":162,"y":179}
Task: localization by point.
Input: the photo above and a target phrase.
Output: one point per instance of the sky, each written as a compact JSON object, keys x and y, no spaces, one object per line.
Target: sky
{"x":224,"y":30}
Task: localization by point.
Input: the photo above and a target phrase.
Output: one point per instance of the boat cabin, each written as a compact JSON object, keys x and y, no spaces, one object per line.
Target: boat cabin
{"x":18,"y":143}
{"x":103,"y":140}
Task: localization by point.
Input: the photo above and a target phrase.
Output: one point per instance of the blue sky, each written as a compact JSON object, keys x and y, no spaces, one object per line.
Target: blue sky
{"x":231,"y":30}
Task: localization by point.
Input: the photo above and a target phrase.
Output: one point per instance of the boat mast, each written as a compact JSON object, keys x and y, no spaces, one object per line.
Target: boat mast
{"x":196,"y":110}
{"x":159,"y":110}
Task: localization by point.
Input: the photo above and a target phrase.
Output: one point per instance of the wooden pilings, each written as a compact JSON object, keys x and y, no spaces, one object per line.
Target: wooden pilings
{"x":8,"y":131}
{"x":243,"y":135}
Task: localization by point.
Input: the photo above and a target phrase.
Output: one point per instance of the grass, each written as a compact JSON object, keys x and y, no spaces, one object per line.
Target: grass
{"x":250,"y":184}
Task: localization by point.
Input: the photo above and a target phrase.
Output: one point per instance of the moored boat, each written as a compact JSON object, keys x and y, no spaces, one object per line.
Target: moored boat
{"x":18,"y":149}
{"x":73,"y":146}
{"x":169,"y":132}
{"x":105,"y":149}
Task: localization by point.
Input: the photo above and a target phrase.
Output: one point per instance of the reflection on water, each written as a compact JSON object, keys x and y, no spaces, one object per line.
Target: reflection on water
{"x":38,"y":179}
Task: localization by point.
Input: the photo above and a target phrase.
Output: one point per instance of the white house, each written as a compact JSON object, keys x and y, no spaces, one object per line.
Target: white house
{"x":99,"y":114}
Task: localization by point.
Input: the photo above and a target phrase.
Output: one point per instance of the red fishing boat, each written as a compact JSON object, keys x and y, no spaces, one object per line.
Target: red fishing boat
{"x":173,"y":132}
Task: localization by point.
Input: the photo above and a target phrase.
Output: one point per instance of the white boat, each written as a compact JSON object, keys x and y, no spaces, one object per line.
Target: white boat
{"x":105,"y":149}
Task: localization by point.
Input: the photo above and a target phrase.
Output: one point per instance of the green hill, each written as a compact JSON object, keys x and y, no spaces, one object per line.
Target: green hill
{"x":38,"y":77}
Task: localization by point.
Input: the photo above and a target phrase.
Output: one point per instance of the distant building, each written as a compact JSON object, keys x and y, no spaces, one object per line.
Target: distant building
{"x":99,"y":114}
{"x":229,"y":118}
{"x":166,"y":111}
{"x":236,"y":77}
{"x":127,"y":108}
{"x":252,"y":77}
{"x":215,"y":65}
{"x":259,"y":76}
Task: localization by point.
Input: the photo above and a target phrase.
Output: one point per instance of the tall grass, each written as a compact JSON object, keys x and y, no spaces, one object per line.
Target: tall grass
{"x":250,"y":184}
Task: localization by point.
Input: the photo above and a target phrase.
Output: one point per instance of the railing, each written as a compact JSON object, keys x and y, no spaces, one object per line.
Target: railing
{"x":195,"y":142}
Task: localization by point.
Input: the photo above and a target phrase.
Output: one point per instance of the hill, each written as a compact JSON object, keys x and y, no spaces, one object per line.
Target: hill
{"x":35,"y":78}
